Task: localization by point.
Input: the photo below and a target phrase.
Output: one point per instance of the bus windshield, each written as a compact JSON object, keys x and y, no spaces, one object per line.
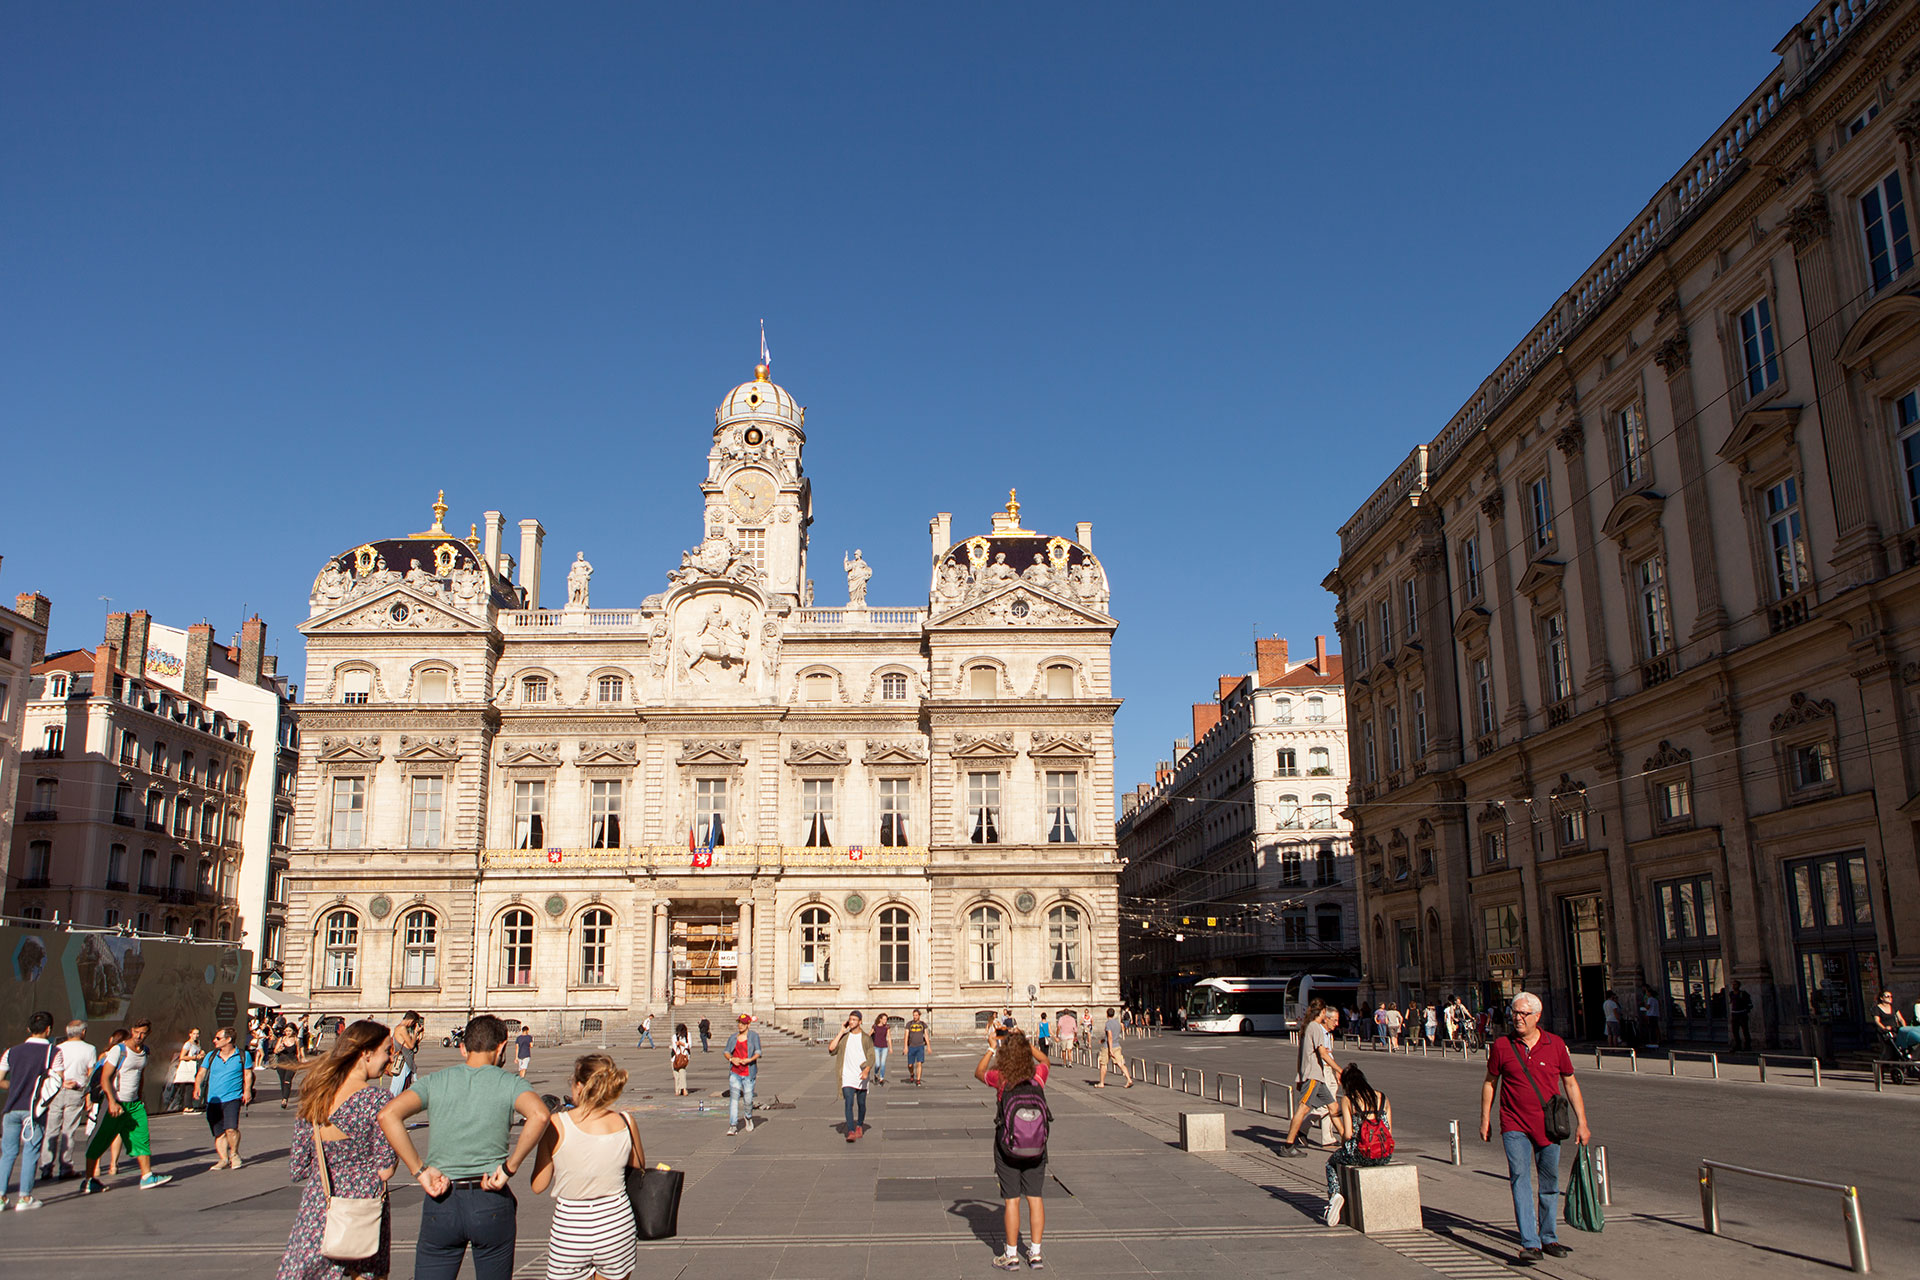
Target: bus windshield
{"x":1205,"y":1002}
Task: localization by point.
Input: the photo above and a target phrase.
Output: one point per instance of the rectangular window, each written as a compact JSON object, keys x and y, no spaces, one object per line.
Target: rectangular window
{"x":1470,"y":566}
{"x":1392,"y":716}
{"x":894,"y":795}
{"x":754,"y":543}
{"x":1630,"y":428}
{"x":1410,"y":596}
{"x":1063,"y":808}
{"x":983,"y":808}
{"x":419,"y":965}
{"x":54,"y":740}
{"x":149,"y":868}
{"x":1063,"y":943}
{"x":1288,"y":811}
{"x":816,"y":811}
{"x":1361,"y":657}
{"x":1283,"y":711}
{"x":529,"y":815}
{"x":130,"y":746}
{"x":117,"y":866}
{"x":1291,"y":871}
{"x":1419,"y":724}
{"x":1656,"y":620}
{"x":1293,"y":926}
{"x":1559,"y":660}
{"x":356,"y":687}
{"x":433,"y":686}
{"x":182,"y":815}
{"x":1675,"y":799}
{"x":612,"y":688}
{"x":1756,"y":347}
{"x":1906,"y":412}
{"x":1289,"y":766}
{"x":1786,"y":543}
{"x":1369,"y":761}
{"x":710,"y":811}
{"x":349,"y":813}
{"x":1812,"y":765}
{"x":1540,"y":512}
{"x":429,"y":809}
{"x":1493,"y":847}
{"x":603,"y":813}
{"x":1573,"y":828}
{"x":1883,"y":218}
{"x":896,"y":946}
{"x":1385,"y":609}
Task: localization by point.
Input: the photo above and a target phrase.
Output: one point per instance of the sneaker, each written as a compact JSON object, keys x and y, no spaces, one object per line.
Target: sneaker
{"x":1295,"y":1150}
{"x":89,"y":1186}
{"x":1332,"y":1216}
{"x":1007,"y":1261}
{"x":749,"y":1124}
{"x":234,"y":1163}
{"x":1554,"y":1249}
{"x":1035,"y":1261}
{"x":153,"y":1180}
{"x":25,"y":1203}
{"x":732,"y":1129}
{"x":218,"y":1166}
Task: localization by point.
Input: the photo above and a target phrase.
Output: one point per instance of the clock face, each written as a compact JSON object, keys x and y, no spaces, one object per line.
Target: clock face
{"x":751,"y":495}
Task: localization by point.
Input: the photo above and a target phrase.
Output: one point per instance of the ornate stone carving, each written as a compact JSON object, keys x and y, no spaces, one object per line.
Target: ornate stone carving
{"x":1572,"y":439}
{"x":1802,"y":710}
{"x":530,"y":753}
{"x":1809,"y":222}
{"x":818,"y":751}
{"x":416,"y":747}
{"x":361,"y":747}
{"x":1061,"y":744}
{"x":1669,"y":306}
{"x":1494,"y":505}
{"x":623,"y":751}
{"x":718,"y":651}
{"x":982,"y":744}
{"x":713,"y":750}
{"x":579,"y":577}
{"x":1667,"y":756}
{"x":858,"y":572}
{"x":1674,"y":354}
{"x":896,"y":751}
{"x":715,"y":558}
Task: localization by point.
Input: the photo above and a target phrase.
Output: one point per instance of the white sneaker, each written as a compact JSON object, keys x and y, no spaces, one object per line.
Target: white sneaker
{"x":749,"y":1124}
{"x":732,"y":1129}
{"x":25,"y":1203}
{"x":1332,"y":1215}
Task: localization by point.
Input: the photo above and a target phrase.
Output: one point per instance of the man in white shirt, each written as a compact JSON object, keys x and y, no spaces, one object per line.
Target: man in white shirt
{"x":1316,"y":1072}
{"x":1650,"y":1014}
{"x":73,"y":1060}
{"x":856,"y":1064}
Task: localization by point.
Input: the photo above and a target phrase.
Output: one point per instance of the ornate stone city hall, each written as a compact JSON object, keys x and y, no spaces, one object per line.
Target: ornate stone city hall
{"x":724,"y":799}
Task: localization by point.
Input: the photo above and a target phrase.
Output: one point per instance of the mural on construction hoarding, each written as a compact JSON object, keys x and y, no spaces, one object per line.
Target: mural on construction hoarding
{"x":109,"y":981}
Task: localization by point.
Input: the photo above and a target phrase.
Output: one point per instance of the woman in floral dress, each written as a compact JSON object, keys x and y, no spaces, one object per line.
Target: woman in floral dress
{"x":342,"y":1095}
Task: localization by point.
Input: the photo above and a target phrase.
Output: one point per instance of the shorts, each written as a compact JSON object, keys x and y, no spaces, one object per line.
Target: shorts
{"x":223,"y":1115}
{"x":130,"y":1124}
{"x":916,"y":1054}
{"x":1114,"y":1054}
{"x":1316,"y":1095}
{"x":592,"y":1237}
{"x":523,"y":1064}
{"x":1019,"y":1177}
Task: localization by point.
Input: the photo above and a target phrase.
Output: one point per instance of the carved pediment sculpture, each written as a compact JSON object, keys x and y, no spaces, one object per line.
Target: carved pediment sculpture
{"x":818,"y":751}
{"x":982,"y":744}
{"x":530,"y":753}
{"x":715,"y":557}
{"x":1493,"y":813}
{"x":350,"y":748}
{"x":712,"y":751}
{"x":1570,"y":792}
{"x":895,"y":752}
{"x":1061,"y":745}
{"x":625,"y":751}
{"x":1397,"y":841}
{"x":1667,"y":757}
{"x":1802,"y":710}
{"x":434,"y":747}
{"x":1022,"y":608}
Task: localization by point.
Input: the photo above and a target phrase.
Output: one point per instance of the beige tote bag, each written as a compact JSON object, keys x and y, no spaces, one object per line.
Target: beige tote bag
{"x":353,"y":1224}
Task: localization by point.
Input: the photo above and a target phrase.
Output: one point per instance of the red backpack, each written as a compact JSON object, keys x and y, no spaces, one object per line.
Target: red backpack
{"x":1375,"y":1140}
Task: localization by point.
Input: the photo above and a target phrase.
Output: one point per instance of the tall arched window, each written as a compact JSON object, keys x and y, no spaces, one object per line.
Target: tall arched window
{"x":816,"y":944}
{"x":1063,"y":943}
{"x":896,"y":945}
{"x":420,"y":955}
{"x":1060,"y":681}
{"x":596,"y":931}
{"x":341,"y":941}
{"x":516,"y":948}
{"x":1323,"y":811}
{"x":983,"y":944}
{"x":432,"y":686}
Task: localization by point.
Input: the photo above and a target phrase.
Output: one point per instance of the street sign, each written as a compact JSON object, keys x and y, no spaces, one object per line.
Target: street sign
{"x":729,"y":959}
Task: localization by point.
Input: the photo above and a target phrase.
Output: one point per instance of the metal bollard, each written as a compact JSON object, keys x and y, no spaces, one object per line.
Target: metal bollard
{"x":1709,"y":1205}
{"x":1856,"y":1233}
{"x":1453,"y":1139}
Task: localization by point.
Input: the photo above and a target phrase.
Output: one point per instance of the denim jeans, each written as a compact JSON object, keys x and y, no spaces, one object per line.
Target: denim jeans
{"x":879,"y":1062}
{"x":466,"y":1216}
{"x":847,"y":1094}
{"x":739,"y":1098}
{"x":19,"y":1140}
{"x":1536,"y":1220}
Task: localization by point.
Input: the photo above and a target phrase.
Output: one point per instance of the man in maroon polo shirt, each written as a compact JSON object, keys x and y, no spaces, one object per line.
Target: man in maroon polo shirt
{"x":1516,"y":1063}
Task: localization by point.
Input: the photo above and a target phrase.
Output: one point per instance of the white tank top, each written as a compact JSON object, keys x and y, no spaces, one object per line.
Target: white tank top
{"x":587,"y":1166}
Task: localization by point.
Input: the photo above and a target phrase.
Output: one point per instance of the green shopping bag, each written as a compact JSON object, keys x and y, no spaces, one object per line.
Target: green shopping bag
{"x":1583,"y":1194}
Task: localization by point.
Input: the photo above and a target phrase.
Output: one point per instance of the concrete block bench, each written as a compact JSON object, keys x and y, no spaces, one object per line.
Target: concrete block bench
{"x":1383,"y":1198}
{"x":1203,"y":1131}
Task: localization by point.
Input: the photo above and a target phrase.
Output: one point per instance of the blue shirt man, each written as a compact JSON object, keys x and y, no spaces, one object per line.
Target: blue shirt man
{"x":226,"y":1082}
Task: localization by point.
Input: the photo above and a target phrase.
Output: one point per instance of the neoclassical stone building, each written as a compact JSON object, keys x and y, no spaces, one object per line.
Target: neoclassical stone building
{"x":1632,"y":669}
{"x":723,"y":799}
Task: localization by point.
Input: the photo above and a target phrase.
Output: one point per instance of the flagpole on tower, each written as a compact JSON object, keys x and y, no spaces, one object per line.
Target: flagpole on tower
{"x":766,"y":357}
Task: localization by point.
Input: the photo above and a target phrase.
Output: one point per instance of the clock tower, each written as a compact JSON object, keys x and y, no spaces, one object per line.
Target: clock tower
{"x":757,"y":493}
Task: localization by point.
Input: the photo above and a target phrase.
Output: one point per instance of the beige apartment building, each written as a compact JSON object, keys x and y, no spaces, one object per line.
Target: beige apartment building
{"x":721,"y":797}
{"x":1632,"y":667}
{"x":23,"y":640}
{"x":1236,"y":860}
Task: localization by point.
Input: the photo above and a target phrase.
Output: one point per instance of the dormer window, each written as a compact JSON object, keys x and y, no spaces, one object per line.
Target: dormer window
{"x":533,"y":689}
{"x":57,"y":686}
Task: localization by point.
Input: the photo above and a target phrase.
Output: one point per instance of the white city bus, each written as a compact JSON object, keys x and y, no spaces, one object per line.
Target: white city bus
{"x":1341,"y":993}
{"x":1244,"y":1005}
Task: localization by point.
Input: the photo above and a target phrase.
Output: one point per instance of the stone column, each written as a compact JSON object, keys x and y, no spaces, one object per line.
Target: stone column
{"x":743,"y":975}
{"x":1494,"y":508}
{"x":662,"y":983}
{"x":1675,"y":358}
{"x":1572,"y":443}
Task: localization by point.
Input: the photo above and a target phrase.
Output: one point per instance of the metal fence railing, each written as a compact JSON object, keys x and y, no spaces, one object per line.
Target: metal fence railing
{"x":1849,"y":1205}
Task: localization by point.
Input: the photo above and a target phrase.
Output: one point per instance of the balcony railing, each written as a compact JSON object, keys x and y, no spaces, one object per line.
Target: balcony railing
{"x":34,"y":882}
{"x":117,"y":886}
{"x":1791,"y":612}
{"x":724,"y":858}
{"x":42,"y":815}
{"x":48,"y":753}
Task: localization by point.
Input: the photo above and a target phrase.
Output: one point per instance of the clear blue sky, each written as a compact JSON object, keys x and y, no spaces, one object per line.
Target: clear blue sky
{"x":1200,"y":274}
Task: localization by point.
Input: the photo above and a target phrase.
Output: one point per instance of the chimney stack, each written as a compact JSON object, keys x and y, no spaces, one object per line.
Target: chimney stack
{"x":269,"y":666}
{"x":31,"y":604}
{"x":1083,"y":534}
{"x":1320,"y":654}
{"x":253,"y":643}
{"x":531,"y":536}
{"x":1227,"y":685}
{"x":942,"y":527}
{"x":199,"y":648}
{"x":102,"y":671}
{"x":495,"y":525}
{"x":1270,"y":657}
{"x":1205,"y":716}
{"x":116,"y":640}
{"x":135,"y":658}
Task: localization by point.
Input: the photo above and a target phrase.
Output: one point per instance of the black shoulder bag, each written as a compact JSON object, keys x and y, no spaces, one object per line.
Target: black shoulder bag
{"x":1558,"y":1109}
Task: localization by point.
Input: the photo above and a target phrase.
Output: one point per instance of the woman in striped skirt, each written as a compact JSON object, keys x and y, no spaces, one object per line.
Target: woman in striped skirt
{"x":583,"y":1157}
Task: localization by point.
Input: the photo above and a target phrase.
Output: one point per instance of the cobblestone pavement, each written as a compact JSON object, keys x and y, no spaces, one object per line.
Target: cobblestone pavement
{"x":917,"y":1194}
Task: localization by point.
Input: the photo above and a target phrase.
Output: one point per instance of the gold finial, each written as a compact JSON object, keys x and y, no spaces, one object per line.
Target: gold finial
{"x":1013,"y":504}
{"x":439,"y":511}
{"x":761,"y":372}
{"x":473,"y":537}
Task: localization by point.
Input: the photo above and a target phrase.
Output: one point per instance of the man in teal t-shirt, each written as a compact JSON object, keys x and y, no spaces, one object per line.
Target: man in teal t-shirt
{"x":468,"y":1199}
